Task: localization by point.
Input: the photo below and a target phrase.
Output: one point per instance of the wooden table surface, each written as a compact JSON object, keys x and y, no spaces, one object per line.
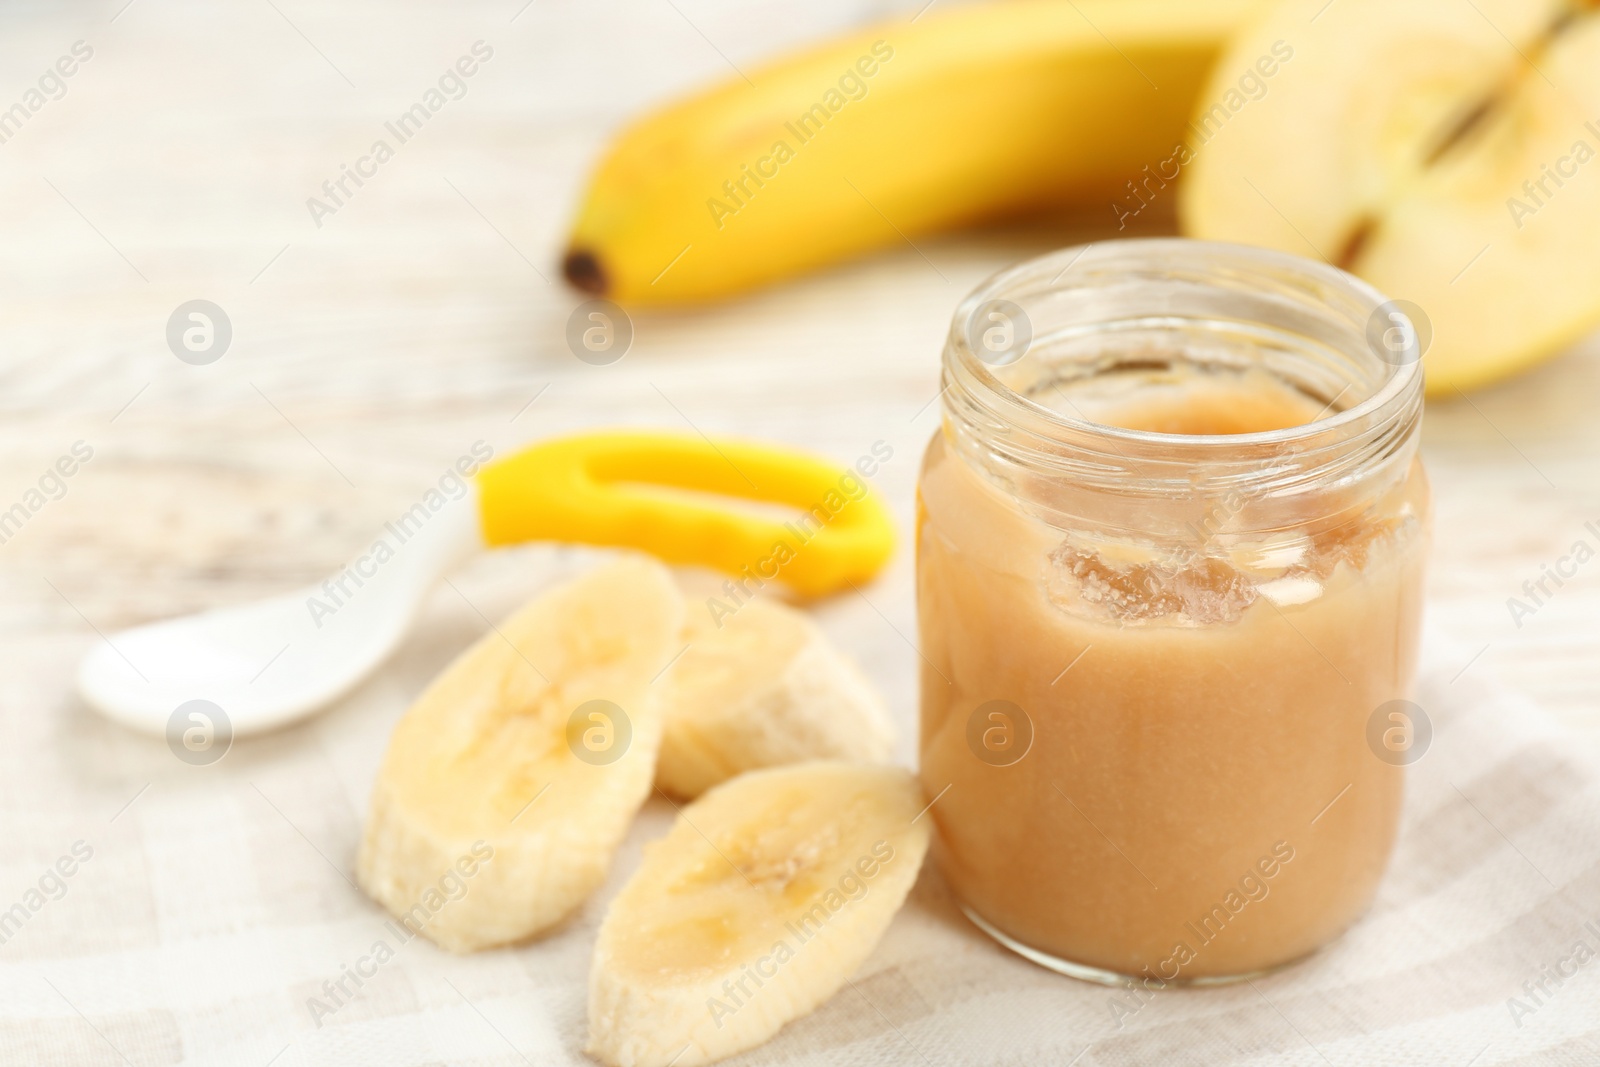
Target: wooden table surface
{"x":371,"y":350}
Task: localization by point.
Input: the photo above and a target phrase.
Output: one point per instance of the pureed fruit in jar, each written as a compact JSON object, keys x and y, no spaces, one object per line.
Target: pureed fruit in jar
{"x":1170,"y":553}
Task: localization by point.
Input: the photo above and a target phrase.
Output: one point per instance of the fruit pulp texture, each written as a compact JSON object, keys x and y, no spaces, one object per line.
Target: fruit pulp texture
{"x":1199,"y":798}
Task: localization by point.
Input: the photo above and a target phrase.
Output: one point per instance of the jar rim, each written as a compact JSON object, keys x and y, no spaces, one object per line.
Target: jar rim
{"x":1401,"y":379}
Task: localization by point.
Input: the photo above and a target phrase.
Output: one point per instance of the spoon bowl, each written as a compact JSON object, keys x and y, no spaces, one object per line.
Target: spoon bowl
{"x":272,"y":662}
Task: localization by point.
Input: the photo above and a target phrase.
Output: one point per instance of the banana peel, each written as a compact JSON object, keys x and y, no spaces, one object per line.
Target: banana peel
{"x":883,"y":136}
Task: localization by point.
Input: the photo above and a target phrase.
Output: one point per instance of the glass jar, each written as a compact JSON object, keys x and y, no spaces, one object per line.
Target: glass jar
{"x":1170,"y":549}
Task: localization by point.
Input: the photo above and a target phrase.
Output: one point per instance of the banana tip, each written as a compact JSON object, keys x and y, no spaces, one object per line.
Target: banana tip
{"x":582,"y":270}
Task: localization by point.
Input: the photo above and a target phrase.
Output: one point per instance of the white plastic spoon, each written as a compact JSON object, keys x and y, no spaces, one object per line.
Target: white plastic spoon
{"x":267,"y":664}
{"x":274,"y":661}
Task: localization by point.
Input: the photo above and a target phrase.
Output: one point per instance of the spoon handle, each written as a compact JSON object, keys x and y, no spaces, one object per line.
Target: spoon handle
{"x":657,"y":492}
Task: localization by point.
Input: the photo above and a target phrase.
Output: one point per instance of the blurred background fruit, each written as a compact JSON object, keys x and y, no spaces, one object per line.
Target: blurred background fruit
{"x":965,"y":114}
{"x":1433,"y":148}
{"x":1437,"y":149}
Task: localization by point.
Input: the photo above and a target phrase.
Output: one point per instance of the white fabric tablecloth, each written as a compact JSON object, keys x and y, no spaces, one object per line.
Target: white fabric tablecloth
{"x":216,"y":901}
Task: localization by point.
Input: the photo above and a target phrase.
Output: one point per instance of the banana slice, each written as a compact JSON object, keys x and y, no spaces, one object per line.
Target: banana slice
{"x":511,"y":780}
{"x":767,"y":894}
{"x":764,"y":688}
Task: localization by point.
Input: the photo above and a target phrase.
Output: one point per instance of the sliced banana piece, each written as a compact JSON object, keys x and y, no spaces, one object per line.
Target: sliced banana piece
{"x":509,"y":783}
{"x":761,"y":688}
{"x":767,"y":894}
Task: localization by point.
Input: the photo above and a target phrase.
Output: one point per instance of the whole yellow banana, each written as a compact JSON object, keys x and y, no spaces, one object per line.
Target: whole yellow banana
{"x":904,"y":129}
